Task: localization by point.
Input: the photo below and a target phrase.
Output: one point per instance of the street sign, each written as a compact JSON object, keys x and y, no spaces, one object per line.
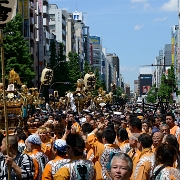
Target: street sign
{"x":7,"y":10}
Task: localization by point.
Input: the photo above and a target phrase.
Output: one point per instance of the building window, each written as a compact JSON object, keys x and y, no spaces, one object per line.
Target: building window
{"x":51,"y":27}
{"x":52,"y":17}
{"x":76,"y":17}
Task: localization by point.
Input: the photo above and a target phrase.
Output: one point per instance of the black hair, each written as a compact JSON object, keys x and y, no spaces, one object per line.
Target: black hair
{"x":63,"y":116}
{"x":18,"y":130}
{"x":146,"y":140}
{"x":21,"y":136}
{"x":165,"y":154}
{"x":77,"y":143}
{"x":51,"y":114}
{"x":172,"y":140}
{"x":58,"y":118}
{"x":110,"y":125}
{"x":136,"y":122}
{"x":99,"y":136}
{"x":110,"y":135}
{"x":171,"y":114}
{"x":1,"y":138}
{"x":87,"y":128}
{"x":91,"y":116}
{"x":13,"y":141}
{"x":122,"y":134}
{"x":60,"y":129}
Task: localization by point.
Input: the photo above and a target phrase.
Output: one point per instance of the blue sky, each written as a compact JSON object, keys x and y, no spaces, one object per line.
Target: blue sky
{"x":135,"y":30}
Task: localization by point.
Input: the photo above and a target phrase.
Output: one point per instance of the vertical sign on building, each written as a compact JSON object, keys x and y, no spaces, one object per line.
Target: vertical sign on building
{"x":40,"y":2}
{"x":20,"y":10}
{"x":26,"y":18}
{"x":172,"y":44}
{"x":41,"y":35}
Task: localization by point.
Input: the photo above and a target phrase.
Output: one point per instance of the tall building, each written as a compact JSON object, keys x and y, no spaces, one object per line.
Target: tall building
{"x":112,"y":70}
{"x":136,"y":87}
{"x":70,"y":35}
{"x":57,"y":24}
{"x":159,"y":69}
{"x":96,"y":61}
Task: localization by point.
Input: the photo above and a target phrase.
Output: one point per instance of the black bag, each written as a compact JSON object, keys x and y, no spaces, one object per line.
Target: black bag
{"x":153,"y":177}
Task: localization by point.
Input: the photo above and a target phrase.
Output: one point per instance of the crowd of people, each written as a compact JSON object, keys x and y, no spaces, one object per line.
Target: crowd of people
{"x":93,"y":145}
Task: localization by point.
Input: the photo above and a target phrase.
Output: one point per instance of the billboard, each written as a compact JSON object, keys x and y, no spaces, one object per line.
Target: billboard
{"x":145,"y":83}
{"x":95,"y":40}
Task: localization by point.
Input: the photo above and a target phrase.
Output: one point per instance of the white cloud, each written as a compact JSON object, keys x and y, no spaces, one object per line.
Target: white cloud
{"x":159,"y":19}
{"x":140,"y":1}
{"x":171,"y":5}
{"x":147,"y":6}
{"x":137,"y":27}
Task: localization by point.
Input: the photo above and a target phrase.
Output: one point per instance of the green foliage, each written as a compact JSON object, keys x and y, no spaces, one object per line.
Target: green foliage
{"x":119,"y":91}
{"x":99,"y":82}
{"x":16,"y":51}
{"x":87,"y":67}
{"x":60,"y":68}
{"x":152,"y":95}
{"x":74,"y":68}
{"x":163,"y":90}
{"x":53,"y":56}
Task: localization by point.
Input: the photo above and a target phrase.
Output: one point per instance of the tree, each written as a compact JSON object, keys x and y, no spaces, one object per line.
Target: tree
{"x":152,"y":95}
{"x":60,"y":68}
{"x":74,"y":68}
{"x":99,"y":82}
{"x":16,"y":51}
{"x":163,"y":91}
{"x":87,"y":67}
{"x":53,"y":54}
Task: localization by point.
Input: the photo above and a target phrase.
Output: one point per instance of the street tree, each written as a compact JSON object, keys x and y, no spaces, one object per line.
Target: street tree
{"x":73,"y":69}
{"x":16,"y":51}
{"x":152,"y":95}
{"x":164,"y":90}
{"x":99,"y":82}
{"x":60,"y":68}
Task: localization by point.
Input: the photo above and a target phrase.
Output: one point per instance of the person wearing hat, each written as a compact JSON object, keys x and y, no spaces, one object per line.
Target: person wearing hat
{"x":33,"y":148}
{"x":78,"y":167}
{"x":59,"y":150}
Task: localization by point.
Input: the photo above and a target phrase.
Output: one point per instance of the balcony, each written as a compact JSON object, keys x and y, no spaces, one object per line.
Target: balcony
{"x":47,"y":35}
{"x":37,"y":38}
{"x":64,"y":42}
{"x":32,"y":50}
{"x":63,"y":22}
{"x":31,"y":20}
{"x":31,"y":5}
{"x":32,"y":35}
{"x":47,"y":47}
{"x":45,"y":22}
{"x":64,"y":32}
{"x":45,"y":10}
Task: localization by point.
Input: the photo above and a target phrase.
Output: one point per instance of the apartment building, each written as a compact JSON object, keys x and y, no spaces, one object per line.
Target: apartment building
{"x":57,"y":23}
{"x":112,"y":70}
